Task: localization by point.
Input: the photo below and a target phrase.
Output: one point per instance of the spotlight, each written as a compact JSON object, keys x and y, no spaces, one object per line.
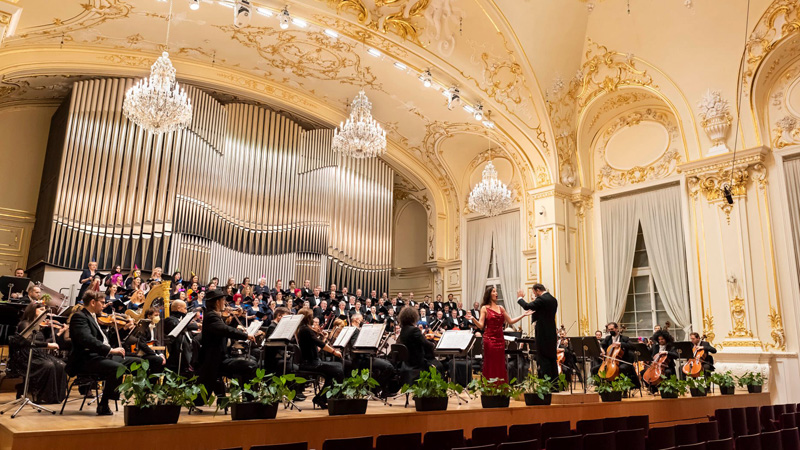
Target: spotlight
{"x":284,"y":17}
{"x":331,"y":33}
{"x":426,"y":78}
{"x":726,"y":191}
{"x":241,"y":13}
{"x":194,"y":5}
{"x":478,"y":112}
{"x":454,"y":97}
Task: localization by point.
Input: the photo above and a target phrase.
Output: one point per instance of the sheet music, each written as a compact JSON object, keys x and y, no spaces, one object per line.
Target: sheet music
{"x":455,"y":340}
{"x":182,"y":325}
{"x":370,"y":335}
{"x":344,"y":337}
{"x":286,"y":328}
{"x":509,"y":338}
{"x":253,"y":328}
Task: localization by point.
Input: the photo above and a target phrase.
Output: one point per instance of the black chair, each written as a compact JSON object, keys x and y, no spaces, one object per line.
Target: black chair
{"x":790,"y":438}
{"x":410,"y":441}
{"x":788,"y":420}
{"x":292,"y":446}
{"x":724,"y":423}
{"x":403,"y":374}
{"x":707,"y":431}
{"x":565,"y":443}
{"x":520,"y":445}
{"x":685,"y":434}
{"x":357,"y":443}
{"x":789,"y":408}
{"x":489,"y":435}
{"x":638,"y":422}
{"x":739,"y":422}
{"x":443,"y":440}
{"x":748,"y":442}
{"x":525,"y":432}
{"x":720,"y":444}
{"x":660,"y":438}
{"x":631,"y":439}
{"x":478,"y":447}
{"x":555,"y":429}
{"x":90,"y":381}
{"x":753,"y":420}
{"x":695,"y":446}
{"x":771,"y":440}
{"x":600,"y":441}
{"x":615,"y":423}
{"x":590,"y":426}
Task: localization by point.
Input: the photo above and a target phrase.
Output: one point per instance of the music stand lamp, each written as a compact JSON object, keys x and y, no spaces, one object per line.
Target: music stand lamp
{"x":23,"y":401}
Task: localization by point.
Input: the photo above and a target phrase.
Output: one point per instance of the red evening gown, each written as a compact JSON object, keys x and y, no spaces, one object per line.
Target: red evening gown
{"x":494,"y":347}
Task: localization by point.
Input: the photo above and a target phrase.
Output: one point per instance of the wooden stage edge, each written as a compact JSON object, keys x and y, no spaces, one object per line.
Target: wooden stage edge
{"x":84,"y":430}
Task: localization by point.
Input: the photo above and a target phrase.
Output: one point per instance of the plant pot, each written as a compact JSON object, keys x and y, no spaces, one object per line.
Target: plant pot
{"x":611,"y":396}
{"x":534,"y":400}
{"x":669,"y":394}
{"x":346,"y":406}
{"x":753,"y":389}
{"x":154,"y":415}
{"x":495,"y":401}
{"x":252,"y":410}
{"x":727,"y":390}
{"x":430,"y":403}
{"x":698,"y":392}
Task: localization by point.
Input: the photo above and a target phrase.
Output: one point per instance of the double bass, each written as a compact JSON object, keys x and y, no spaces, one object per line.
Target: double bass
{"x":694,"y":367}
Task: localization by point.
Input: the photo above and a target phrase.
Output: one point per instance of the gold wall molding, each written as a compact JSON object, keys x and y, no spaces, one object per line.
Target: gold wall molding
{"x":777,"y":333}
{"x":738,"y":318}
{"x":708,"y":327}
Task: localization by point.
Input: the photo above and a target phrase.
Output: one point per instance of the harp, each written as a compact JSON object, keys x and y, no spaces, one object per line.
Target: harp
{"x":159,"y":292}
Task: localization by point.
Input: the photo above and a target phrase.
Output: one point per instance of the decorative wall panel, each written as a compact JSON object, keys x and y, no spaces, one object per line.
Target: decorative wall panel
{"x":244,"y":191}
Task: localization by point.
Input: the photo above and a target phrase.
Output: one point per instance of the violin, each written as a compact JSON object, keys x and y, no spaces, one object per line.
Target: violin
{"x":694,"y":367}
{"x":560,"y":358}
{"x":108,"y":320}
{"x":652,"y":375}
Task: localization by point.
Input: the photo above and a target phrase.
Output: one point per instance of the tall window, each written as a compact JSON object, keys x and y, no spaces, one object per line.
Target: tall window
{"x":493,"y":277}
{"x":644,"y":308}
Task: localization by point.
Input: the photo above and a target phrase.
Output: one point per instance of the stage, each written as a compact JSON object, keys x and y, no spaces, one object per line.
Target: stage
{"x":85,"y":430}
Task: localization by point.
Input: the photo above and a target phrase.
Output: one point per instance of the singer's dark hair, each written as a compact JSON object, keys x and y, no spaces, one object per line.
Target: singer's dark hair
{"x":487,"y":296}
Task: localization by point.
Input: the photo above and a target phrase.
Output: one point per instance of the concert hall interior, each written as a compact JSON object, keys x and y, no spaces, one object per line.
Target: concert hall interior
{"x":243,"y":224}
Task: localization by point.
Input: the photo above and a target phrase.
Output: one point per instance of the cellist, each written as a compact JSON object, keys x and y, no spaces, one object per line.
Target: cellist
{"x":664,"y":346}
{"x":698,"y":342}
{"x":616,"y":339}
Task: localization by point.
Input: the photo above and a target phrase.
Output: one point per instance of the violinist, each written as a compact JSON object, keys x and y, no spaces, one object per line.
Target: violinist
{"x":48,"y":377}
{"x":180,"y":349}
{"x":420,"y":350}
{"x":92,"y":352}
{"x":698,"y":342}
{"x":310,"y":344}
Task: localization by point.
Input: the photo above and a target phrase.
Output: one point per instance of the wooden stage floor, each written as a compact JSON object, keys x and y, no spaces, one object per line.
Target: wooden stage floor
{"x":85,"y":430}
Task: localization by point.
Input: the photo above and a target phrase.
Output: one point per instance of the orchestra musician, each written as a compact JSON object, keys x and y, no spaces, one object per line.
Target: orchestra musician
{"x":544,"y":308}
{"x":616,"y":339}
{"x":91,"y":351}
{"x":708,"y":361}
{"x":48,"y":378}
{"x":310,"y":343}
{"x":180,"y":348}
{"x":420,"y":350}
{"x":664,"y":346}
{"x":32,"y":295}
{"x":382,"y":370}
{"x":147,"y":338}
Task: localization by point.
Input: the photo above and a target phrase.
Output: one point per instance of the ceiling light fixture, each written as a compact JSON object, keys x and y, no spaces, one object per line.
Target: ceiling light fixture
{"x":491,"y":196}
{"x":426,"y":78}
{"x":331,"y":33}
{"x":300,"y":22}
{"x":264,"y":12}
{"x":360,"y":136}
{"x":374,"y":52}
{"x":241,"y":13}
{"x":194,"y":5}
{"x":478,"y":113}
{"x":453,"y":97}
{"x":285,"y":18}
{"x":488,"y":124}
{"x":227,"y":4}
{"x":400,"y":65}
{"x":468,"y":108}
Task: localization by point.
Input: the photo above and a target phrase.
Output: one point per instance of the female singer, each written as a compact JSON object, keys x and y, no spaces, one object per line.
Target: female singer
{"x":492,"y":317}
{"x":48,"y":378}
{"x":310,"y":343}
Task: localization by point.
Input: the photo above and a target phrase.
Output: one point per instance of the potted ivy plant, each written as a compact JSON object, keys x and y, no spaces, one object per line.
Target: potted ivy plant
{"x":494,"y":392}
{"x":611,"y":390}
{"x":260,"y":398}
{"x":725,"y":381}
{"x":698,"y":386}
{"x":539,"y":391}
{"x":671,"y":387}
{"x":350,"y":396}
{"x":753,"y":380}
{"x":431,"y":391}
{"x":155,"y":399}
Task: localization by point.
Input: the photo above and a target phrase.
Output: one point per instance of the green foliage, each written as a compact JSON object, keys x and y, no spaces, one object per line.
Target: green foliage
{"x":144,"y":390}
{"x":603,"y":386}
{"x":494,"y":387}
{"x":751,"y":379}
{"x":264,"y":389}
{"x":672,"y":385}
{"x":357,"y":386}
{"x":430,"y":384}
{"x":700,"y":383}
{"x":543,"y":386}
{"x":724,"y":379}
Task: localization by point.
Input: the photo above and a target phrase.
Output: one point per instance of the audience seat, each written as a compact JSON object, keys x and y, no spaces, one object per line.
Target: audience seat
{"x":489,"y":435}
{"x":525,"y":432}
{"x":600,"y":441}
{"x":443,"y":440}
{"x":356,"y":443}
{"x":631,"y":439}
{"x":410,"y":441}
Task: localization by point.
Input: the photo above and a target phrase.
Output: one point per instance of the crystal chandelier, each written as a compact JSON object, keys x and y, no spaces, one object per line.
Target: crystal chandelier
{"x":360,"y":136}
{"x":157,"y":103}
{"x":490,"y":197}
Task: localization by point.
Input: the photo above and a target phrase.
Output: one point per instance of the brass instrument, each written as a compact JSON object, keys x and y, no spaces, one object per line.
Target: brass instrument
{"x":159,"y":291}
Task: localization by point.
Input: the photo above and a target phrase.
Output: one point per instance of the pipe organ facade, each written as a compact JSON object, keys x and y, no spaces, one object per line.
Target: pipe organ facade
{"x":243,"y":191}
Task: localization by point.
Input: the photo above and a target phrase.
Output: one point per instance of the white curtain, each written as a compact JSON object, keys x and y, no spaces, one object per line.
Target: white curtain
{"x":792,"y":170}
{"x":620,"y":226}
{"x":507,"y":255}
{"x":479,"y":248}
{"x":660,"y":215}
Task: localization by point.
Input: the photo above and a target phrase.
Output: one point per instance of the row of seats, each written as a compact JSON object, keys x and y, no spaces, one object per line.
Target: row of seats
{"x":735,"y":422}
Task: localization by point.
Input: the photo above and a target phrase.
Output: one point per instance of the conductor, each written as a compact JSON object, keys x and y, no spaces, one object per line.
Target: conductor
{"x":544,"y":308}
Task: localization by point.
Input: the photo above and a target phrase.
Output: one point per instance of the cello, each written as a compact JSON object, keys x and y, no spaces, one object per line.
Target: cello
{"x":652,"y":375}
{"x":610,"y":367}
{"x":694,"y":367}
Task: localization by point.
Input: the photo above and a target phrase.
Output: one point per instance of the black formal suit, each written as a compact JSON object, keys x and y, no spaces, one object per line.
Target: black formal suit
{"x":214,"y":361}
{"x":672,"y":355}
{"x":318,"y":313}
{"x":90,"y":353}
{"x":626,"y":367}
{"x":420,"y":350}
{"x":544,"y":310}
{"x":313,"y":302}
{"x":306,"y":293}
{"x":382,"y":370}
{"x":180,"y":348}
{"x":708,"y":362}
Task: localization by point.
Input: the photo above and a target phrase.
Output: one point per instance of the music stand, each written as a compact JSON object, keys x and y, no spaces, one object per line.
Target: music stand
{"x":457,"y":344}
{"x":284,"y":333}
{"x":589,"y":348}
{"x":12,"y":285}
{"x":638,"y":349}
{"x":28,"y":333}
{"x":177,"y":331}
{"x":685,"y":350}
